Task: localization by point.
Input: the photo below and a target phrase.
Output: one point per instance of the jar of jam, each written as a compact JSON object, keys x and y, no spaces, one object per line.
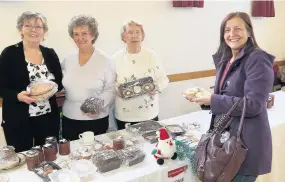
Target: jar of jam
{"x":41,"y":153}
{"x":118,"y":143}
{"x":32,"y":159}
{"x":270,"y":101}
{"x":64,"y":147}
{"x":49,"y":152}
{"x":52,"y":140}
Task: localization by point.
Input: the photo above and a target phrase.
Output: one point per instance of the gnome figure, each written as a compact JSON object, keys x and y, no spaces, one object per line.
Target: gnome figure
{"x":165,"y":148}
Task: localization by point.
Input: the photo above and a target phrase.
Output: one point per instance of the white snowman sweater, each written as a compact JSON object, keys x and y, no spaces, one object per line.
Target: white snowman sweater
{"x":130,"y":67}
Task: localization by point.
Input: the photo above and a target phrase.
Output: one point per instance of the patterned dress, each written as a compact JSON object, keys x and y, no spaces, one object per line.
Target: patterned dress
{"x":39,"y":72}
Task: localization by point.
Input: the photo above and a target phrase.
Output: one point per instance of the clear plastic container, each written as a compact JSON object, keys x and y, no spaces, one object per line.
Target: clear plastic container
{"x":64,"y":175}
{"x":84,"y":152}
{"x":85,"y":169}
{"x":42,"y":89}
{"x":143,"y":127}
{"x":131,"y":156}
{"x":106,"y":160}
{"x":92,"y":105}
{"x":175,"y":129}
{"x":45,"y":169}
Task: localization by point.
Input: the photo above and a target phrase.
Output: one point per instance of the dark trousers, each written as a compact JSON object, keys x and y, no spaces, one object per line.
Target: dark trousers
{"x":72,"y":128}
{"x":241,"y":178}
{"x":31,"y":131}
{"x":121,"y":124}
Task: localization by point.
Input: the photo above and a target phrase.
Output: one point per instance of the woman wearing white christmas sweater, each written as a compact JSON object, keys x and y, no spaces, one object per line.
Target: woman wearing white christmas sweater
{"x":140,"y":76}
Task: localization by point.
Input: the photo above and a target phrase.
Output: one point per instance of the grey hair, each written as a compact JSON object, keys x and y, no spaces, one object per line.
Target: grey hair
{"x":131,"y":22}
{"x":27,"y":15}
{"x":84,"y":20}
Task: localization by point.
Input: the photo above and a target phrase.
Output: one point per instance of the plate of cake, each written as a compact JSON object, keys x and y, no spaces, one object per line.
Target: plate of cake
{"x":42,"y":90}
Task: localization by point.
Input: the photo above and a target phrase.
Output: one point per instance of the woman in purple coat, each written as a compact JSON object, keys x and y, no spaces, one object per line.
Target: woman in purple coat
{"x":243,"y":69}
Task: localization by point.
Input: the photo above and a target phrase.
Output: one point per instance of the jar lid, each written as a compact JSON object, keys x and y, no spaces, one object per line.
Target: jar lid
{"x":63,"y":140}
{"x":118,"y":139}
{"x":32,"y":153}
{"x":51,"y":138}
{"x":47,"y":145}
{"x":37,"y":148}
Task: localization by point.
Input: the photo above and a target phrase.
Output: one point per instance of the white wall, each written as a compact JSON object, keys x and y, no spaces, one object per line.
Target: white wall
{"x":184,"y":38}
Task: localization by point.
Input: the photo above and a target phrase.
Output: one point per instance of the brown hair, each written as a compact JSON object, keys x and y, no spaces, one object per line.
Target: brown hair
{"x":245,"y":17}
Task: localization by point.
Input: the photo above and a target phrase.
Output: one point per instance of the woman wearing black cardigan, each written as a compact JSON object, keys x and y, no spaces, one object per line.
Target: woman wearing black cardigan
{"x":27,"y":122}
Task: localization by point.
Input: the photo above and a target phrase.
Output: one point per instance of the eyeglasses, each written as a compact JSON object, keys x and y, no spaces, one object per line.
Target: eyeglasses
{"x":30,"y":27}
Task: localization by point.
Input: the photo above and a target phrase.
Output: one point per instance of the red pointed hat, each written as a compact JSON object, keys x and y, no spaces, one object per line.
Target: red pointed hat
{"x":163,"y":134}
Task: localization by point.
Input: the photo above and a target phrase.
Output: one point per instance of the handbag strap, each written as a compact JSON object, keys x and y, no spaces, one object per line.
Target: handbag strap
{"x":241,"y":118}
{"x":223,"y":122}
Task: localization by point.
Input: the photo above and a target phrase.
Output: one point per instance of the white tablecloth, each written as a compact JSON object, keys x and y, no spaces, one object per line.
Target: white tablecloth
{"x":277,"y":112}
{"x":148,"y":170}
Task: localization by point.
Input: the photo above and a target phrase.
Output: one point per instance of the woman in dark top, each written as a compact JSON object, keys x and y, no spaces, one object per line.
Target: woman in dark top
{"x":27,"y":122}
{"x":243,"y":69}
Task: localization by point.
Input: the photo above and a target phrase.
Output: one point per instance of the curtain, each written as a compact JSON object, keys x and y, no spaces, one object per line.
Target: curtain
{"x":263,"y":8}
{"x":192,"y":3}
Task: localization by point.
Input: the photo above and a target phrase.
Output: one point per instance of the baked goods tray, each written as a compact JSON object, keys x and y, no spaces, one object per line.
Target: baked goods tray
{"x":143,"y":127}
{"x":44,"y":169}
{"x":136,"y":88}
{"x":131,"y":156}
{"x":175,"y":129}
{"x":151,"y":137}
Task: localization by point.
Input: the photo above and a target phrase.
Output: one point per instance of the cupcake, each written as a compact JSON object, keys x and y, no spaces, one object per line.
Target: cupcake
{"x":85,"y":153}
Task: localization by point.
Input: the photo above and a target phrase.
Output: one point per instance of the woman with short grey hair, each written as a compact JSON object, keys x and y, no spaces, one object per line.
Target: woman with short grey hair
{"x":87,"y":73}
{"x":83,"y":20}
{"x":140,"y":76}
{"x":30,"y":15}
{"x":26,"y":120}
